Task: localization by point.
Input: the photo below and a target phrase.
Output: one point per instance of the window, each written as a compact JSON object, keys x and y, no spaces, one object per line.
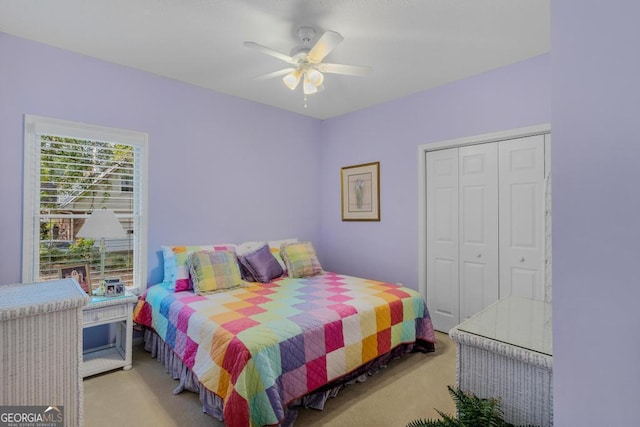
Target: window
{"x":72,"y":169}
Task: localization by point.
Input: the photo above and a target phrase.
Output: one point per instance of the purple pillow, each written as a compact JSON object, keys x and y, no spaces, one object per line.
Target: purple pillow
{"x":262,"y":265}
{"x":247,"y":276}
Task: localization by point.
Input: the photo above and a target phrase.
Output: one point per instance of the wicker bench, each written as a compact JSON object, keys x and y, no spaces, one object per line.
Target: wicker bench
{"x":505,"y":352}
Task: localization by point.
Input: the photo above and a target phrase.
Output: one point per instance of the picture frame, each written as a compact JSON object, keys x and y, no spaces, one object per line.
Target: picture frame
{"x":360,"y":192}
{"x":109,"y":289}
{"x":114,"y":289}
{"x":79,"y":272}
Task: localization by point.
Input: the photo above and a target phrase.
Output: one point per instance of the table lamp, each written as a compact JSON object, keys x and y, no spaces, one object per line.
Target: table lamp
{"x":102,"y":224}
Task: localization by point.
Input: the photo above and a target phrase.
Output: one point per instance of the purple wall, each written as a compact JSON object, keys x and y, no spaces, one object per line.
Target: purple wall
{"x":507,"y":98}
{"x":198,"y":136}
{"x":220,"y":168}
{"x":596,"y":223}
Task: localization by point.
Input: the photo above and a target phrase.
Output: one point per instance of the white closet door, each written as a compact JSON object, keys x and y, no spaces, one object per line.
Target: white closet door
{"x":521,"y":173}
{"x":478,"y":225}
{"x":442,"y":238}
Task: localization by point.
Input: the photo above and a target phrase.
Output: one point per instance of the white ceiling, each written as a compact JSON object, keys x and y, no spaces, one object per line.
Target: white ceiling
{"x":411,"y":45}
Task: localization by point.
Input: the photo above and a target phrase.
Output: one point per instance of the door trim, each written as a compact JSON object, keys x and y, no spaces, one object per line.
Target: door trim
{"x":422,"y":182}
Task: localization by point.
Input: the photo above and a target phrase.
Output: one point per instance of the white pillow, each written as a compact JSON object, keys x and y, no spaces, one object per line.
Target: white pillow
{"x":247,"y":247}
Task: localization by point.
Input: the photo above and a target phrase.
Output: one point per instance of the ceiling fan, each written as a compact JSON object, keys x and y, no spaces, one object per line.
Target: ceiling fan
{"x":306,"y":61}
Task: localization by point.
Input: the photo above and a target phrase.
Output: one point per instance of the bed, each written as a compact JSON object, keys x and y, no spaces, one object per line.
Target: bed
{"x":255,"y":351}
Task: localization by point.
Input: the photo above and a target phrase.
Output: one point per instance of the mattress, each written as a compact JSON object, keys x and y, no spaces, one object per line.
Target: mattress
{"x":263,"y":346}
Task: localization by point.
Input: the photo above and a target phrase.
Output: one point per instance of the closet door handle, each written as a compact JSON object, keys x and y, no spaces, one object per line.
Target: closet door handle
{"x":522,"y":259}
{"x":479,"y":256}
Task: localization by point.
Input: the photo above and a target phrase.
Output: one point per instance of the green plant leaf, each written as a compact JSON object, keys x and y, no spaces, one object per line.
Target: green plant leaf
{"x":472,"y":411}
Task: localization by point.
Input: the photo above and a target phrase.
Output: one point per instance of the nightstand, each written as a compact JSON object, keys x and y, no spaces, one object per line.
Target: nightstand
{"x":109,"y":310}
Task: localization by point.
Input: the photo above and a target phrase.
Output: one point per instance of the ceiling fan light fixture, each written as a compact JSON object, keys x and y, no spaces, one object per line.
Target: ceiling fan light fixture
{"x":305,"y":61}
{"x":308,"y":88}
{"x":312,"y":81}
{"x":314,"y":76}
{"x":292,"y":79}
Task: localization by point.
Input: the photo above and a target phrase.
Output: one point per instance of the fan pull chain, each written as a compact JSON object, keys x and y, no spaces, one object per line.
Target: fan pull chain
{"x":305,"y":101}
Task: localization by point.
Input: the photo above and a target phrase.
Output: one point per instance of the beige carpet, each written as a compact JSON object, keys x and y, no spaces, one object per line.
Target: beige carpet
{"x":409,"y":388}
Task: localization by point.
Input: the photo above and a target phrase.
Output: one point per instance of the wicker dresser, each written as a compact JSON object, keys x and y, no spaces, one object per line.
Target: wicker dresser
{"x":41,"y":346}
{"x":505,"y":352}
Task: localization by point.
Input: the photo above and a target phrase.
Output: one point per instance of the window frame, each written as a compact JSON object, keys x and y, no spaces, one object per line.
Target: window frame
{"x":34,"y":126}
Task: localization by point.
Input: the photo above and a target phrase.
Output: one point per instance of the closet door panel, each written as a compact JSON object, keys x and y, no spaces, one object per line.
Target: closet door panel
{"x":521,"y":169}
{"x":442,"y":238}
{"x":474,"y":296}
{"x":478,"y":204}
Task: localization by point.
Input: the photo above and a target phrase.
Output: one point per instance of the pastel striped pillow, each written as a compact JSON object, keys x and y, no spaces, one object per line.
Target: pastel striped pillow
{"x":274,"y":247}
{"x":214,"y":271}
{"x":301,"y":259}
{"x":180,"y":255}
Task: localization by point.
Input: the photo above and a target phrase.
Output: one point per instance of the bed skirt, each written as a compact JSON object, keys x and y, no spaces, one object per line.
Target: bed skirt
{"x":212,"y":403}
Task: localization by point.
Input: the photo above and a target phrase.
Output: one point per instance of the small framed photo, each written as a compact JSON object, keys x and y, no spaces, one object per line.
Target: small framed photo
{"x":360,"y":188}
{"x":78,"y":272}
{"x":110,"y":289}
{"x":114,"y":289}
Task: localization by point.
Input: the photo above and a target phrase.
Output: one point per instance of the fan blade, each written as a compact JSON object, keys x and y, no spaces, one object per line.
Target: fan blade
{"x":269,"y":51}
{"x":328,"y":42}
{"x":275,"y":74}
{"x":349,"y":70}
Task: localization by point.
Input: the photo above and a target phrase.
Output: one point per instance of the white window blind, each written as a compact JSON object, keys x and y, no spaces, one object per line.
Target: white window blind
{"x":72,"y":169}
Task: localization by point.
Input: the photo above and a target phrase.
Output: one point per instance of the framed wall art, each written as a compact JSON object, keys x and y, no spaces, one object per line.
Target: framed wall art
{"x":361,"y":192}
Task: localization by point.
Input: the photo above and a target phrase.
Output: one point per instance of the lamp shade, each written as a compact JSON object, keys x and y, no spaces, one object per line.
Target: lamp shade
{"x":315,"y":77}
{"x":312,"y":80}
{"x":292,"y":79}
{"x":102,"y":224}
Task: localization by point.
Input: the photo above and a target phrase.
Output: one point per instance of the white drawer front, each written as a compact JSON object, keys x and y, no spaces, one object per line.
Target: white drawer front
{"x":104,"y":313}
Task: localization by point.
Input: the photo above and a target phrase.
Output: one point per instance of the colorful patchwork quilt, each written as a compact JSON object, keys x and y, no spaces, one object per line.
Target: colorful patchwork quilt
{"x":262,"y":346}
